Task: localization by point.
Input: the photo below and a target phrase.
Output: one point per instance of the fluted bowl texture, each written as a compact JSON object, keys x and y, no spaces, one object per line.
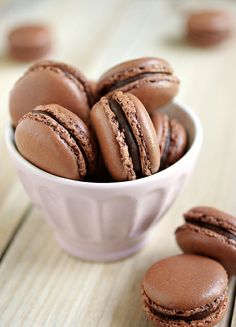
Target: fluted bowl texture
{"x":108,"y":221}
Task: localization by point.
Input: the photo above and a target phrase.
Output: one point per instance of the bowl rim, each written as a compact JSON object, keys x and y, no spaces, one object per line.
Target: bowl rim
{"x":194,"y":149}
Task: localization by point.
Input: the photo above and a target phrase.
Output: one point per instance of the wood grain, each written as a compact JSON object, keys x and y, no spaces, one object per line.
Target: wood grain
{"x":12,"y":210}
{"x":39,"y":284}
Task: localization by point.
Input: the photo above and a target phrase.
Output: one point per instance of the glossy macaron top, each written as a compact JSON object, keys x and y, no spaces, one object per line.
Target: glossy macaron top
{"x":126,"y":136}
{"x":150,"y":79}
{"x":185,"y":282}
{"x":172,"y":138}
{"x":48,"y":82}
{"x":57,"y":141}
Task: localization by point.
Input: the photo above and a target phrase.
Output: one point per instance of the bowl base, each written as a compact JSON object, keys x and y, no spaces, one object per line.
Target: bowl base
{"x":107,"y":253}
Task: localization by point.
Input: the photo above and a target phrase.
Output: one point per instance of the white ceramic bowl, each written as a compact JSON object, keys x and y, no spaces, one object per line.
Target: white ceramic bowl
{"x":105,"y":222}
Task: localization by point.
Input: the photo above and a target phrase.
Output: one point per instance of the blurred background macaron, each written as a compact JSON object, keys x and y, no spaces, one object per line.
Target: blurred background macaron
{"x":208,"y":27}
{"x":47,"y":82}
{"x":150,"y":79}
{"x":30,"y":42}
{"x":210,"y":232}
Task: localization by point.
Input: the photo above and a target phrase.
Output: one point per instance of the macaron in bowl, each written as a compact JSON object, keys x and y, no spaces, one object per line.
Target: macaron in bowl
{"x":151,"y":80}
{"x":51,"y":82}
{"x":108,"y":221}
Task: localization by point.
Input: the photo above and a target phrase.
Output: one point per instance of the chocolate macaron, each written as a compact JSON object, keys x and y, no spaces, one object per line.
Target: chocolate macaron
{"x":126,"y":136}
{"x":29,"y":42}
{"x":51,"y":82}
{"x":208,"y":28}
{"x":209,"y":232}
{"x":150,"y":79}
{"x":172,"y":138}
{"x":185,"y":291}
{"x":57,"y":141}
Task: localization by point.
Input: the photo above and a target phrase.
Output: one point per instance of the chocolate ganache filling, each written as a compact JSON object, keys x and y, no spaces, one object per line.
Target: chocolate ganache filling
{"x":126,"y":81}
{"x":220,"y":230}
{"x":196,"y":316}
{"x":129,"y":135}
{"x":212,"y":307}
{"x":164,"y":163}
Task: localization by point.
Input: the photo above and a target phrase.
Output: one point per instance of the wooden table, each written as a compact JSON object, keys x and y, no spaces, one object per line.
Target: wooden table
{"x":39,"y":284}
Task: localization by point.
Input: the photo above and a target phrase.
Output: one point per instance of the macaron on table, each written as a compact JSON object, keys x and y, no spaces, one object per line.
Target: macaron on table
{"x":29,"y":42}
{"x":105,"y":136}
{"x":204,"y":303}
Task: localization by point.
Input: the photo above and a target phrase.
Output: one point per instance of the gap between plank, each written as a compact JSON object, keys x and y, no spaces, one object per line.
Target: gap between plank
{"x":16,"y":231}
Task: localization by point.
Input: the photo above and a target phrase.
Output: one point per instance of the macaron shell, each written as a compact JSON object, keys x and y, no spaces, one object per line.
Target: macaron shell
{"x":153,"y":91}
{"x":74,"y":125}
{"x":206,"y":40}
{"x":162,"y":128}
{"x":44,"y":86}
{"x":166,"y":282}
{"x":178,"y":142}
{"x":112,"y":139}
{"x":35,"y":35}
{"x":148,"y":137}
{"x":213,"y":216}
{"x":116,"y":162}
{"x":29,"y":54}
{"x":206,"y":28}
{"x":71,"y":72}
{"x":29,"y":42}
{"x":210,"y":21}
{"x":46,"y":149}
{"x":172,"y":138}
{"x":133,"y":68}
{"x":196,"y":240}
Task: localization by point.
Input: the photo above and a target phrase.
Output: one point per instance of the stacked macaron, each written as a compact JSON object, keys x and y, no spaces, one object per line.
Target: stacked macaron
{"x":78,"y":129}
{"x":191,"y":289}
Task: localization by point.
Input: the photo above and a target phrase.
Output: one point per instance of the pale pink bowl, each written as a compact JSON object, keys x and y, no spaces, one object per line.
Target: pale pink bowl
{"x":106,"y":222}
